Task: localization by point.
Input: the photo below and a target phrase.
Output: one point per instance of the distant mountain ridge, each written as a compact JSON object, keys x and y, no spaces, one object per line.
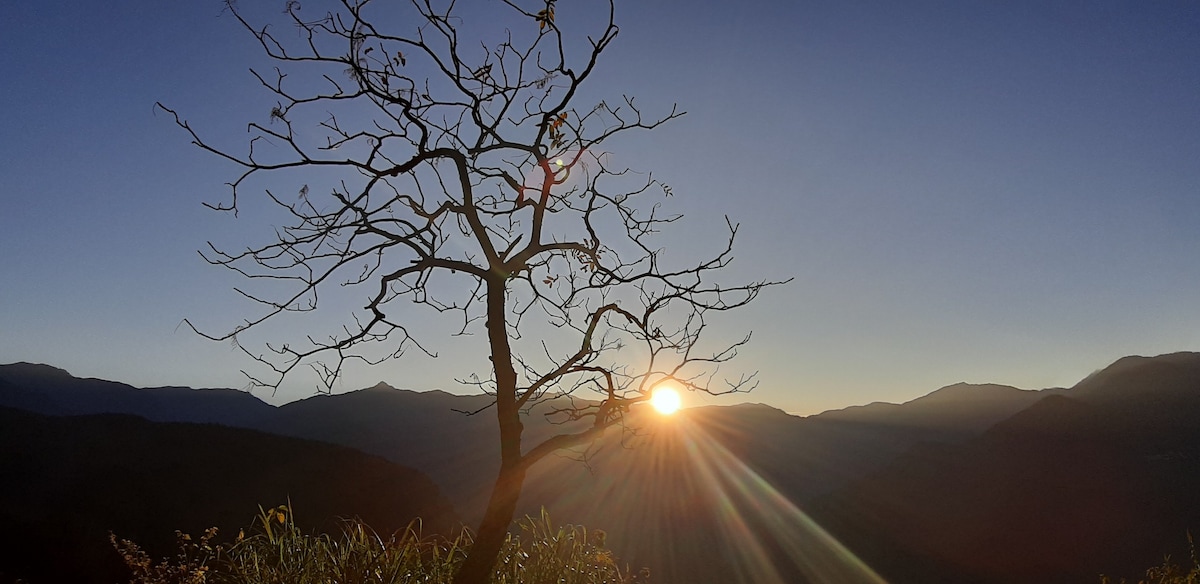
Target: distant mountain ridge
{"x":850,"y":467}
{"x":53,"y":391}
{"x":400,"y":425}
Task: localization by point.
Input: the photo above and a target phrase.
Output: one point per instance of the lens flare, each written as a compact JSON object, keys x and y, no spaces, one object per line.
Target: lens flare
{"x":780,"y":542}
{"x":679,"y":497}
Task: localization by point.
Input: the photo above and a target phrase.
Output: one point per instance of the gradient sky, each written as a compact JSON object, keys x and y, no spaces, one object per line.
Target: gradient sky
{"x":1000,"y":192}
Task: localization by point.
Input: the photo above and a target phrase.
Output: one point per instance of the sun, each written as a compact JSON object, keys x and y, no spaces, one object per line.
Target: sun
{"x":666,"y":400}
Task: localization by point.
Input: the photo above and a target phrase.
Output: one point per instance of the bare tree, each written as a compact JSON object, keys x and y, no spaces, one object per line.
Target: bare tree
{"x":466,"y":177}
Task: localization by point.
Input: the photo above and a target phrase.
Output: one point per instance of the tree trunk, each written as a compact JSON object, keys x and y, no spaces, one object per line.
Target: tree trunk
{"x":477,"y":569}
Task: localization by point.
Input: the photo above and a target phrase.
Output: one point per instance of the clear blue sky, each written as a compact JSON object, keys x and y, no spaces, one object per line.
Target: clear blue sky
{"x":998,"y":192}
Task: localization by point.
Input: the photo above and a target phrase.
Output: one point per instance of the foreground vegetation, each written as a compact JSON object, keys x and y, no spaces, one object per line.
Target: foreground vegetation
{"x":278,"y":552}
{"x":1169,"y":572}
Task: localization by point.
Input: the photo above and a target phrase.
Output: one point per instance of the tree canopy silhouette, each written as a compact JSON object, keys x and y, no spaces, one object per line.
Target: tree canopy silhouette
{"x":467,"y":177}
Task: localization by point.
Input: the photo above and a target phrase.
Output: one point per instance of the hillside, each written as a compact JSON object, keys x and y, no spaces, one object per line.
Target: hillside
{"x":1101,"y":478}
{"x":70,"y":480}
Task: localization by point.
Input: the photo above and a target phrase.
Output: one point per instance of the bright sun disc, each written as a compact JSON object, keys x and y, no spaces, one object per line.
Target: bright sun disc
{"x":666,"y":400}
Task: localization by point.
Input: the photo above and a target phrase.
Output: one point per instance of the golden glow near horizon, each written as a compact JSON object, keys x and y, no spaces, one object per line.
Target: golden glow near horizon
{"x":666,"y":400}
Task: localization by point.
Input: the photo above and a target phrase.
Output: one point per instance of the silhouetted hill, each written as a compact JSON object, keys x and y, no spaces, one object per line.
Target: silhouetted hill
{"x":1170,"y":374}
{"x":959,"y":409}
{"x":1155,"y":395}
{"x":68,"y":481}
{"x":812,"y":456}
{"x":1101,"y":478}
{"x":425,"y":430}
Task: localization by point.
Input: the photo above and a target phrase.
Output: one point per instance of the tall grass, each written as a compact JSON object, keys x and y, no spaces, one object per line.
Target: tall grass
{"x":1169,"y":572}
{"x":277,"y":552}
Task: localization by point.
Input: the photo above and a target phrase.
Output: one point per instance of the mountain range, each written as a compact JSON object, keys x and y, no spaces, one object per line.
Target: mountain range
{"x":971,"y":483}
